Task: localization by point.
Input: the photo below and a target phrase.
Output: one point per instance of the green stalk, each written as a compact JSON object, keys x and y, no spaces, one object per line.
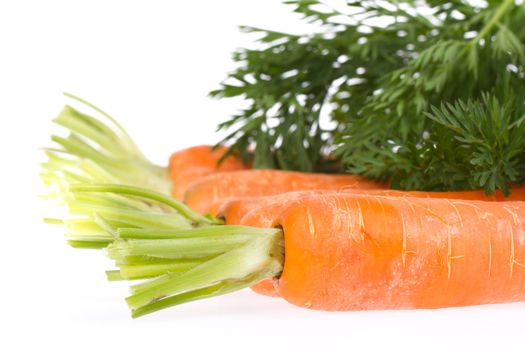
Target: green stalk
{"x":150,"y":236}
{"x":154,"y":233}
{"x":132,"y":217}
{"x":260,"y":256}
{"x":114,"y":275}
{"x":154,"y":270}
{"x":86,"y":228}
{"x":108,"y":146}
{"x":500,"y":12}
{"x":137,"y":260}
{"x":181,"y":255}
{"x":183,"y":209}
{"x":223,"y":287}
{"x":90,"y":128}
{"x":88,"y":245}
{"x":104,"y":224}
{"x":177,"y":248}
{"x":125,"y":138}
{"x":109,"y":200}
{"x":206,"y":292}
{"x":102,"y":214}
{"x":53,"y":221}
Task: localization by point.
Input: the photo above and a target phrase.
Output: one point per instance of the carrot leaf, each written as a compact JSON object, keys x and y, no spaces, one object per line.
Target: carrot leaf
{"x":358,"y":88}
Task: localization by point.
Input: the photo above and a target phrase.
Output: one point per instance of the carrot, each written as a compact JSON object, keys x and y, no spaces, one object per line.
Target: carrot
{"x":234,"y":209}
{"x":343,"y":251}
{"x":205,"y":194}
{"x":193,"y":163}
{"x":355,"y":252}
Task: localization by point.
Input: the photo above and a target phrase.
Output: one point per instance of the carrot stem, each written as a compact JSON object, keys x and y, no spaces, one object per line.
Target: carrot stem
{"x":177,"y":248}
{"x":101,"y":153}
{"x":206,"y":292}
{"x":126,"y":139}
{"x":215,"y":231}
{"x":88,"y":245}
{"x":181,"y":208}
{"x":99,"y":215}
{"x":217,"y":289}
{"x":133,"y":272}
{"x":114,"y":275}
{"x":256,"y":260}
{"x":183,"y":255}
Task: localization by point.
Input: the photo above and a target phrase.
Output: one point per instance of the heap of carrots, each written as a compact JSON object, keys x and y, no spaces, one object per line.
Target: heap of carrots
{"x":257,"y":197}
{"x":349,"y":243}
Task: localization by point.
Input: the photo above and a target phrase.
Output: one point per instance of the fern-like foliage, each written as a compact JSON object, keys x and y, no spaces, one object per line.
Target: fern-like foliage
{"x":379,"y":69}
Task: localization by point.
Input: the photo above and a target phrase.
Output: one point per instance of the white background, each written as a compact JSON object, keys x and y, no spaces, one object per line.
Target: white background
{"x":150,"y":64}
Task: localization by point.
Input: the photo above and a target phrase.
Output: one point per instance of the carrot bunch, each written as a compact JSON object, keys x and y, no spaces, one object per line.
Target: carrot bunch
{"x":329,"y":242}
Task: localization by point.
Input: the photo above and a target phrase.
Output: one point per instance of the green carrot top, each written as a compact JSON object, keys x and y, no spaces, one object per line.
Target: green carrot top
{"x":426,"y":94}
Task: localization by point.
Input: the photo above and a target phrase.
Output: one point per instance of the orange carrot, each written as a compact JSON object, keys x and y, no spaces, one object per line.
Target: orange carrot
{"x":234,"y":210}
{"x":196,"y":162}
{"x":205,"y":194}
{"x":356,"y":252}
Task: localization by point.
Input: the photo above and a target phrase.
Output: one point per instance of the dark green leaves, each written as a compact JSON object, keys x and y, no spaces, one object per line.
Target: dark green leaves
{"x":487,"y":134}
{"x":507,"y":43}
{"x":393,"y":139}
{"x":378,"y":82}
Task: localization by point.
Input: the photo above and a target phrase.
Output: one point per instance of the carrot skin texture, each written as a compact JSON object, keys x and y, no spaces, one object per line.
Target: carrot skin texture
{"x":209,"y":192}
{"x":191,"y":164}
{"x":354,"y":252}
{"x":234,"y":210}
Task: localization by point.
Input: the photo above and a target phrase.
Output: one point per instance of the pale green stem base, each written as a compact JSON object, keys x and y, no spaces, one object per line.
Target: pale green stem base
{"x":120,"y":201}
